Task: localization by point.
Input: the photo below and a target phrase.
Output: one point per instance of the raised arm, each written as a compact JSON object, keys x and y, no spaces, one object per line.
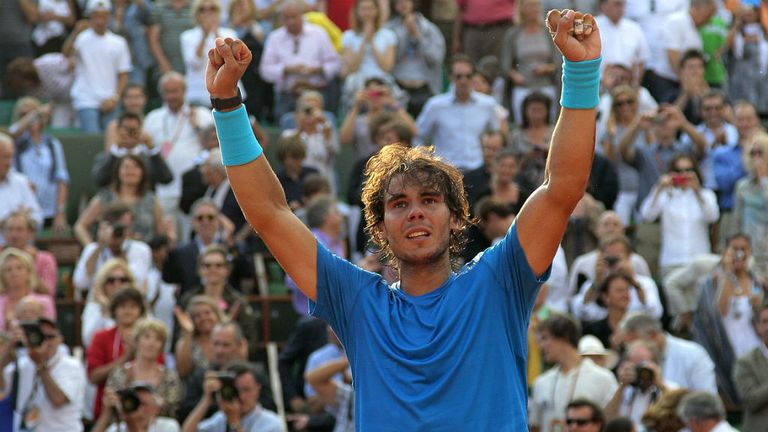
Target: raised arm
{"x":255,"y":185}
{"x":542,"y":220}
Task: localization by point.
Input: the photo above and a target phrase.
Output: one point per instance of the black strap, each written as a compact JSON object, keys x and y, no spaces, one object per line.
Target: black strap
{"x":15,"y":385}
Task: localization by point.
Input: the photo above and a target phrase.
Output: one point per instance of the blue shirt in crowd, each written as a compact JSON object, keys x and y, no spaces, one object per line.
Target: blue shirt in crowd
{"x":728,"y":169}
{"x":449,"y":360}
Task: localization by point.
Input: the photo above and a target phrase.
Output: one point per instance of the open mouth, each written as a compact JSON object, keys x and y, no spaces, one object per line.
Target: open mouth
{"x":417,"y":234}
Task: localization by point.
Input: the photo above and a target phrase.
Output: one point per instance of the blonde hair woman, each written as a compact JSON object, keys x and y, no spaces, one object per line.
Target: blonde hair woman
{"x":18,"y":280}
{"x":750,"y":215}
{"x":113,"y":275}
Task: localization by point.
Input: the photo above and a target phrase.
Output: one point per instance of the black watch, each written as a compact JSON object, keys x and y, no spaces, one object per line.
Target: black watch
{"x":222,"y":104}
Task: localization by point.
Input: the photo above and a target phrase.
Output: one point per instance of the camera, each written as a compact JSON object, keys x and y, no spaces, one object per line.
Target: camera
{"x":118,"y":230}
{"x":611,"y":260}
{"x":129,"y":400}
{"x":228,"y":390}
{"x":35,"y":336}
{"x":679,"y":179}
{"x":644,"y":376}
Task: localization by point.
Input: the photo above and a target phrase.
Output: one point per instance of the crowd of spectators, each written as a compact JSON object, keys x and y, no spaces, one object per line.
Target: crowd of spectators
{"x":653,"y":319}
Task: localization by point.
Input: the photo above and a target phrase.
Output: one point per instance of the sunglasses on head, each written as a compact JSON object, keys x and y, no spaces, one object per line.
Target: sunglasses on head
{"x":114,"y":279}
{"x":578,"y":421}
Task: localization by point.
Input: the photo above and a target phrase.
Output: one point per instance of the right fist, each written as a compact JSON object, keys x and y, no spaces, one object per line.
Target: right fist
{"x":227,"y":63}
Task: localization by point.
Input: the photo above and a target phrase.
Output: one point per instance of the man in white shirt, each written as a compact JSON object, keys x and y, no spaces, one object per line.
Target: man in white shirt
{"x":703,"y":412}
{"x":679,"y":34}
{"x":684,"y":362}
{"x":139,"y":409}
{"x":51,"y":384}
{"x":15,"y":188}
{"x":174,"y":128}
{"x":103,"y":61}
{"x":113,"y":241}
{"x":572,"y":377}
{"x":622,"y":39}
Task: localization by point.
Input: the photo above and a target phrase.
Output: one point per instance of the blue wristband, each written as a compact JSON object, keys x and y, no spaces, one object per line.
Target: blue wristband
{"x":581,"y":84}
{"x":236,"y":140}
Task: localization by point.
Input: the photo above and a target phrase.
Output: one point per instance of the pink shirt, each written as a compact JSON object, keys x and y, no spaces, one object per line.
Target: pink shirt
{"x":49,"y":308}
{"x":47,"y":270}
{"x":479,"y":12}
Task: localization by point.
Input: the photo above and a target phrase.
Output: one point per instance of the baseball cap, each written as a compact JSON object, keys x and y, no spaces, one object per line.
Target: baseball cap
{"x":98,"y":5}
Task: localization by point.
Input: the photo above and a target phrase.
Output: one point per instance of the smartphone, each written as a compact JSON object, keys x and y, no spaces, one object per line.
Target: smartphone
{"x":679,"y":180}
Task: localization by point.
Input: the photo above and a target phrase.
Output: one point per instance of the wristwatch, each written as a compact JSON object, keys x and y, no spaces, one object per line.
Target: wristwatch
{"x":222,"y":104}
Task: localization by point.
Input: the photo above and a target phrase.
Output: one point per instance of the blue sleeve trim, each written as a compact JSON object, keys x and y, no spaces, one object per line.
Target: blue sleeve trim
{"x":581,"y":84}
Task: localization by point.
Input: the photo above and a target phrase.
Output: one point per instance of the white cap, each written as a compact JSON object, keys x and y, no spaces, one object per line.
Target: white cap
{"x":96,"y":5}
{"x":589,"y":345}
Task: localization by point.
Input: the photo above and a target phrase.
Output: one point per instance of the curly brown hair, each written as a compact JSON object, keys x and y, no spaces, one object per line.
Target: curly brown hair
{"x":415,"y":166}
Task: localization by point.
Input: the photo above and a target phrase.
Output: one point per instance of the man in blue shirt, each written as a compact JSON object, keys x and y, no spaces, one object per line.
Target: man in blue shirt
{"x":443,"y":348}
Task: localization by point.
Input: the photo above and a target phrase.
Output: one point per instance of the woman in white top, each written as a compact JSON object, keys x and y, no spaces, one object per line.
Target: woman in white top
{"x":686,"y":209}
{"x":113,"y":275}
{"x":195,"y":44}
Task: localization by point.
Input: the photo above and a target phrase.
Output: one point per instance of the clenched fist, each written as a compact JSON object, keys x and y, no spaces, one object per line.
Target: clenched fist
{"x":227,"y":63}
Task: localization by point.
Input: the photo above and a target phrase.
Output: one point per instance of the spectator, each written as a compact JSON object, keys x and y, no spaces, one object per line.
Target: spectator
{"x":746,"y":121}
{"x":175,"y":127}
{"x":723,"y":320}
{"x":17,"y":281}
{"x":194,"y":349}
{"x":580,"y":234}
{"x":419,"y":56}
{"x":583,"y":415}
{"x":748,"y":66}
{"x":504,"y":186}
{"x":327,"y":224}
{"x":210,"y":227}
{"x":337,"y":395}
{"x":536,"y":126}
{"x":48,"y":77}
{"x":529,"y":60}
{"x":192,"y":187}
{"x":749,"y":214}
{"x":455,"y":141}
{"x":714,"y":43}
{"x":483,"y":81}
{"x":623,"y":40}
{"x":374,"y":99}
{"x":113,"y":240}
{"x":678,"y":33}
{"x":130,"y":185}
{"x":298,"y":56}
{"x":478,"y":180}
{"x":160,"y":295}
{"x":686,"y":209}
{"x":168,"y":21}
{"x":19,"y":230}
{"x":583,"y":268}
{"x":214,"y":267}
{"x":47,"y":382}
{"x":662,"y":415}
{"x":309,"y":335}
{"x":103,"y":62}
{"x":214,"y":176}
{"x":620,"y":424}
{"x":693,"y":84}
{"x":703,"y":412}
{"x":111,"y":277}
{"x":133,"y":99}
{"x":318,"y":137}
{"x":40,"y":157}
{"x":143,"y":418}
{"x":480,"y":26}
{"x":614,"y":75}
{"x":147,"y":340}
{"x":369,"y":50}
{"x":750,"y":377}
{"x":14,"y":187}
{"x":291,"y":154}
{"x":590,"y":347}
{"x":613,"y":295}
{"x":17,"y":22}
{"x":131,"y":20}
{"x":684,"y":363}
{"x":572,"y":376}
{"x":131,"y":139}
{"x":641,"y":384}
{"x":195,"y":44}
{"x":241,"y":412}
{"x":725,"y":151}
{"x":614,"y":256}
{"x":494,"y":219}
{"x":113,"y":347}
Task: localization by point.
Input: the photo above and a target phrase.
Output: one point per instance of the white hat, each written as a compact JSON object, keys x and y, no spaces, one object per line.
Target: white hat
{"x":94,"y":5}
{"x":589,"y":345}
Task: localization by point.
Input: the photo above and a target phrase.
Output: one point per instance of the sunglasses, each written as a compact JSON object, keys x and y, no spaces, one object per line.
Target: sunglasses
{"x":205,"y":217}
{"x":121,"y":279}
{"x":711,"y":107}
{"x":619,"y":103}
{"x":460,"y":76}
{"x":50,"y":336}
{"x":756,"y":152}
{"x":578,"y":421}
{"x":208,"y":265}
{"x":208,"y":9}
{"x":683,"y":170}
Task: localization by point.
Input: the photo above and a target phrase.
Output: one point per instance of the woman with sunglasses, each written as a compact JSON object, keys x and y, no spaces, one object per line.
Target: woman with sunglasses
{"x":112,"y":276}
{"x":751,"y":204}
{"x":686,"y":210}
{"x":214,"y":267}
{"x":626,"y":128}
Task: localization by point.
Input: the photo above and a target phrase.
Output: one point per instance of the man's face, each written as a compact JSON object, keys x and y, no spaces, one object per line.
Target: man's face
{"x":762,"y":325}
{"x":617,"y":295}
{"x":712,"y":110}
{"x":610,"y":225}
{"x":17,"y":233}
{"x":417,"y":222}
{"x":205,"y":220}
{"x":248,"y":390}
{"x":506,"y":168}
{"x":550,"y":346}
{"x":292,"y":19}
{"x":173,"y":94}
{"x":616,"y":257}
{"x":225,"y":347}
{"x":129,"y":132}
{"x":702,"y":14}
{"x":51,"y":340}
{"x":746,"y":120}
{"x":6,"y":158}
{"x":613,"y":9}
{"x":491,"y":144}
{"x":146,"y":411}
{"x":127,"y":313}
{"x":579,"y":419}
{"x":99,"y":20}
{"x":693,"y":68}
{"x":738,"y":251}
{"x":404,"y":7}
{"x":116,"y":241}
{"x":461,"y":75}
